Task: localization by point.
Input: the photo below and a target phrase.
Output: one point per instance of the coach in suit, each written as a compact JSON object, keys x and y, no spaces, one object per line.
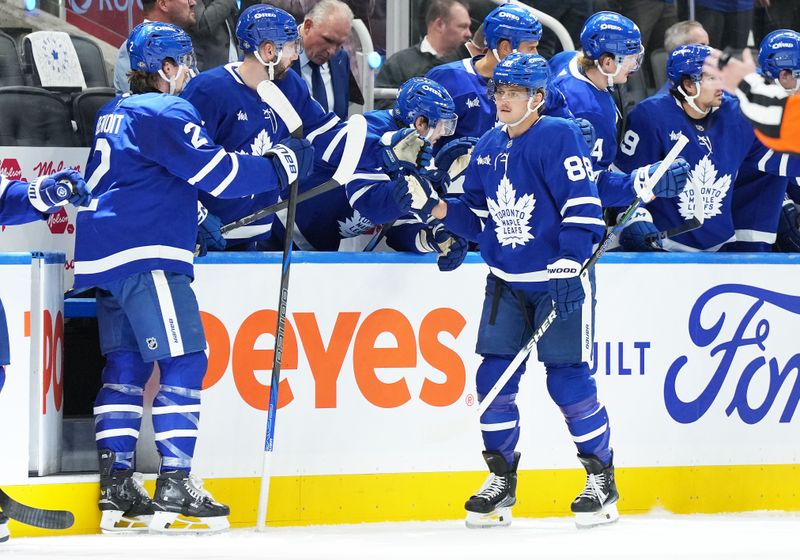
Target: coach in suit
{"x":324,"y":64}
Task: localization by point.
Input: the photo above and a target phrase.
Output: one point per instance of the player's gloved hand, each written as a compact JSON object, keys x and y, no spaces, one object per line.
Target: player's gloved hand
{"x":565,"y":286}
{"x":406,"y":150}
{"x":637,"y":234}
{"x":587,"y":129}
{"x":452,"y":257}
{"x":451,"y":162}
{"x":414,"y":193}
{"x":669,"y":186}
{"x":50,"y":192}
{"x":80,"y":192}
{"x":788,"y":234}
{"x":293,"y":159}
{"x":209,"y":236}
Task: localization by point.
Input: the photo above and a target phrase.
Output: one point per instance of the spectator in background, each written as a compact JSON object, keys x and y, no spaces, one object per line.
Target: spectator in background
{"x":296,"y":8}
{"x":728,"y":22}
{"x":771,"y":15}
{"x":212,"y":34}
{"x":176,"y":12}
{"x":678,"y":35}
{"x":324,"y":64}
{"x":447,"y":24}
{"x":653,"y":18}
{"x":571,"y":13}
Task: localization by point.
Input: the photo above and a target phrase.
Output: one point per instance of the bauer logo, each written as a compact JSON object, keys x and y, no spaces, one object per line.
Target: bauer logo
{"x":351,"y":347}
{"x":738,"y":370}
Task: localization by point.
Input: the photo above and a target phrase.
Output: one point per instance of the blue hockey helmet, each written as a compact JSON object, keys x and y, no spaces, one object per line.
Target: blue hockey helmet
{"x":521,"y":69}
{"x":611,"y":33}
{"x":260,"y":23}
{"x":513,"y":23}
{"x":686,"y":61}
{"x":152,"y":42}
{"x":780,"y":50}
{"x":425,"y":97}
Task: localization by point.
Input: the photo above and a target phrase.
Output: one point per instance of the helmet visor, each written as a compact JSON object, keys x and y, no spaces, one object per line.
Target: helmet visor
{"x":632,"y":62}
{"x":447,"y":125}
{"x":293,"y":48}
{"x":188,"y":60}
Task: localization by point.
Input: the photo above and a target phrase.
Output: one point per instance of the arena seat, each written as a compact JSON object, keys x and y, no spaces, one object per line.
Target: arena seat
{"x":32,"y":116}
{"x":10,"y":66}
{"x":84,"y":109}
{"x":92,"y":63}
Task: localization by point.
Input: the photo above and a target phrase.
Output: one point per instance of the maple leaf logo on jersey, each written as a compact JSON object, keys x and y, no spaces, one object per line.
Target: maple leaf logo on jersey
{"x":712,"y":190}
{"x":355,"y":225}
{"x":511,"y":215}
{"x":261,"y":144}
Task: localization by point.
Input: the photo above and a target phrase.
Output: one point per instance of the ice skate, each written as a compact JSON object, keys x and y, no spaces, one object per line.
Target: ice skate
{"x":124,"y":503}
{"x":4,"y":534}
{"x":597,"y":504}
{"x":491,"y":505}
{"x":182,"y":506}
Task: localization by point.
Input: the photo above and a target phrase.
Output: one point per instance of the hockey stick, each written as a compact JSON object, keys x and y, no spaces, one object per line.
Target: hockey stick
{"x":43,"y":518}
{"x":353,"y":146}
{"x":270,"y":93}
{"x":654,"y":240}
{"x":378,"y":236}
{"x":607,"y":242}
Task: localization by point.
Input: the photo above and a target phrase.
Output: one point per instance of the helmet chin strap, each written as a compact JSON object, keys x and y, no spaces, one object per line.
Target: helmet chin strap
{"x":609,"y":77}
{"x":690,"y":99}
{"x":174,"y":81}
{"x":270,"y":65}
{"x":497,"y":55}
{"x":528,"y":112}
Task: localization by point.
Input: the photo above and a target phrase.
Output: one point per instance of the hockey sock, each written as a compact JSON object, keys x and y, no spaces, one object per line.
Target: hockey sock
{"x":176,"y":409}
{"x":118,"y":407}
{"x":573,"y":389}
{"x":500,"y":422}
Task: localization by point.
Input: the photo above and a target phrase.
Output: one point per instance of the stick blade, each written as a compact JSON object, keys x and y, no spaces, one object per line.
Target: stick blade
{"x":36,"y":517}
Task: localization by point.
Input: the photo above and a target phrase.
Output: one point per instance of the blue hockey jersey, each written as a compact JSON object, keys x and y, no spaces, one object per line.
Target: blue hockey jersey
{"x":150,"y":156}
{"x":719,"y":144}
{"x":529,"y":201}
{"x":239,"y":120}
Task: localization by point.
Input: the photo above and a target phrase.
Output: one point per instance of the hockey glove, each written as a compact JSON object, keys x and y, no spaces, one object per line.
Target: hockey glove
{"x":788,"y":235}
{"x":406,"y":150}
{"x":293,"y":159}
{"x":565,"y":286}
{"x":209,"y":236}
{"x":50,"y":192}
{"x":415,"y":194}
{"x":587,"y":129}
{"x":454,"y":255}
{"x":634,"y":237}
{"x":669,"y":186}
{"x":451,"y":162}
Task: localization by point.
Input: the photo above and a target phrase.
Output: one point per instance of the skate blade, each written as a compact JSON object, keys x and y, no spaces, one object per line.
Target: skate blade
{"x":4,"y":532}
{"x":115,"y":521}
{"x":166,"y":522}
{"x":501,"y":517}
{"x":608,"y":514}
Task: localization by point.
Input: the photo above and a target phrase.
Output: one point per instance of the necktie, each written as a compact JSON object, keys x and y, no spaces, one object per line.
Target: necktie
{"x":318,"y":86}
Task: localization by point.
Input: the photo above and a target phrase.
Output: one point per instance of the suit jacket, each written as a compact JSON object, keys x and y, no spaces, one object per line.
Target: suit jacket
{"x":210,"y":37}
{"x":341,"y":81}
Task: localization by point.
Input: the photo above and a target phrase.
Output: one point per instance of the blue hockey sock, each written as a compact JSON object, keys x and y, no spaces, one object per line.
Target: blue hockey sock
{"x":500,"y":421}
{"x":118,"y":407}
{"x":176,"y":409}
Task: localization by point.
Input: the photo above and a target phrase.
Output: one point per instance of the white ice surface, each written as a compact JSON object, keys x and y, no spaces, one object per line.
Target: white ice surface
{"x":651,"y":537}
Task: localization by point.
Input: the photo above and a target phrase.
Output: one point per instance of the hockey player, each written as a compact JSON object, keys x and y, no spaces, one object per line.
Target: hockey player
{"x":773,"y":112}
{"x":508,"y":28}
{"x":20,"y":203}
{"x":721,"y":142}
{"x":530,"y":203}
{"x":758,"y":197}
{"x":135,"y":244}
{"x":611,"y":51}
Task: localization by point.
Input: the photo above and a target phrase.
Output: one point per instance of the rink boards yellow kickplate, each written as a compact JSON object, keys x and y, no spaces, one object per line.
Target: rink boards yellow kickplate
{"x":331,"y":499}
